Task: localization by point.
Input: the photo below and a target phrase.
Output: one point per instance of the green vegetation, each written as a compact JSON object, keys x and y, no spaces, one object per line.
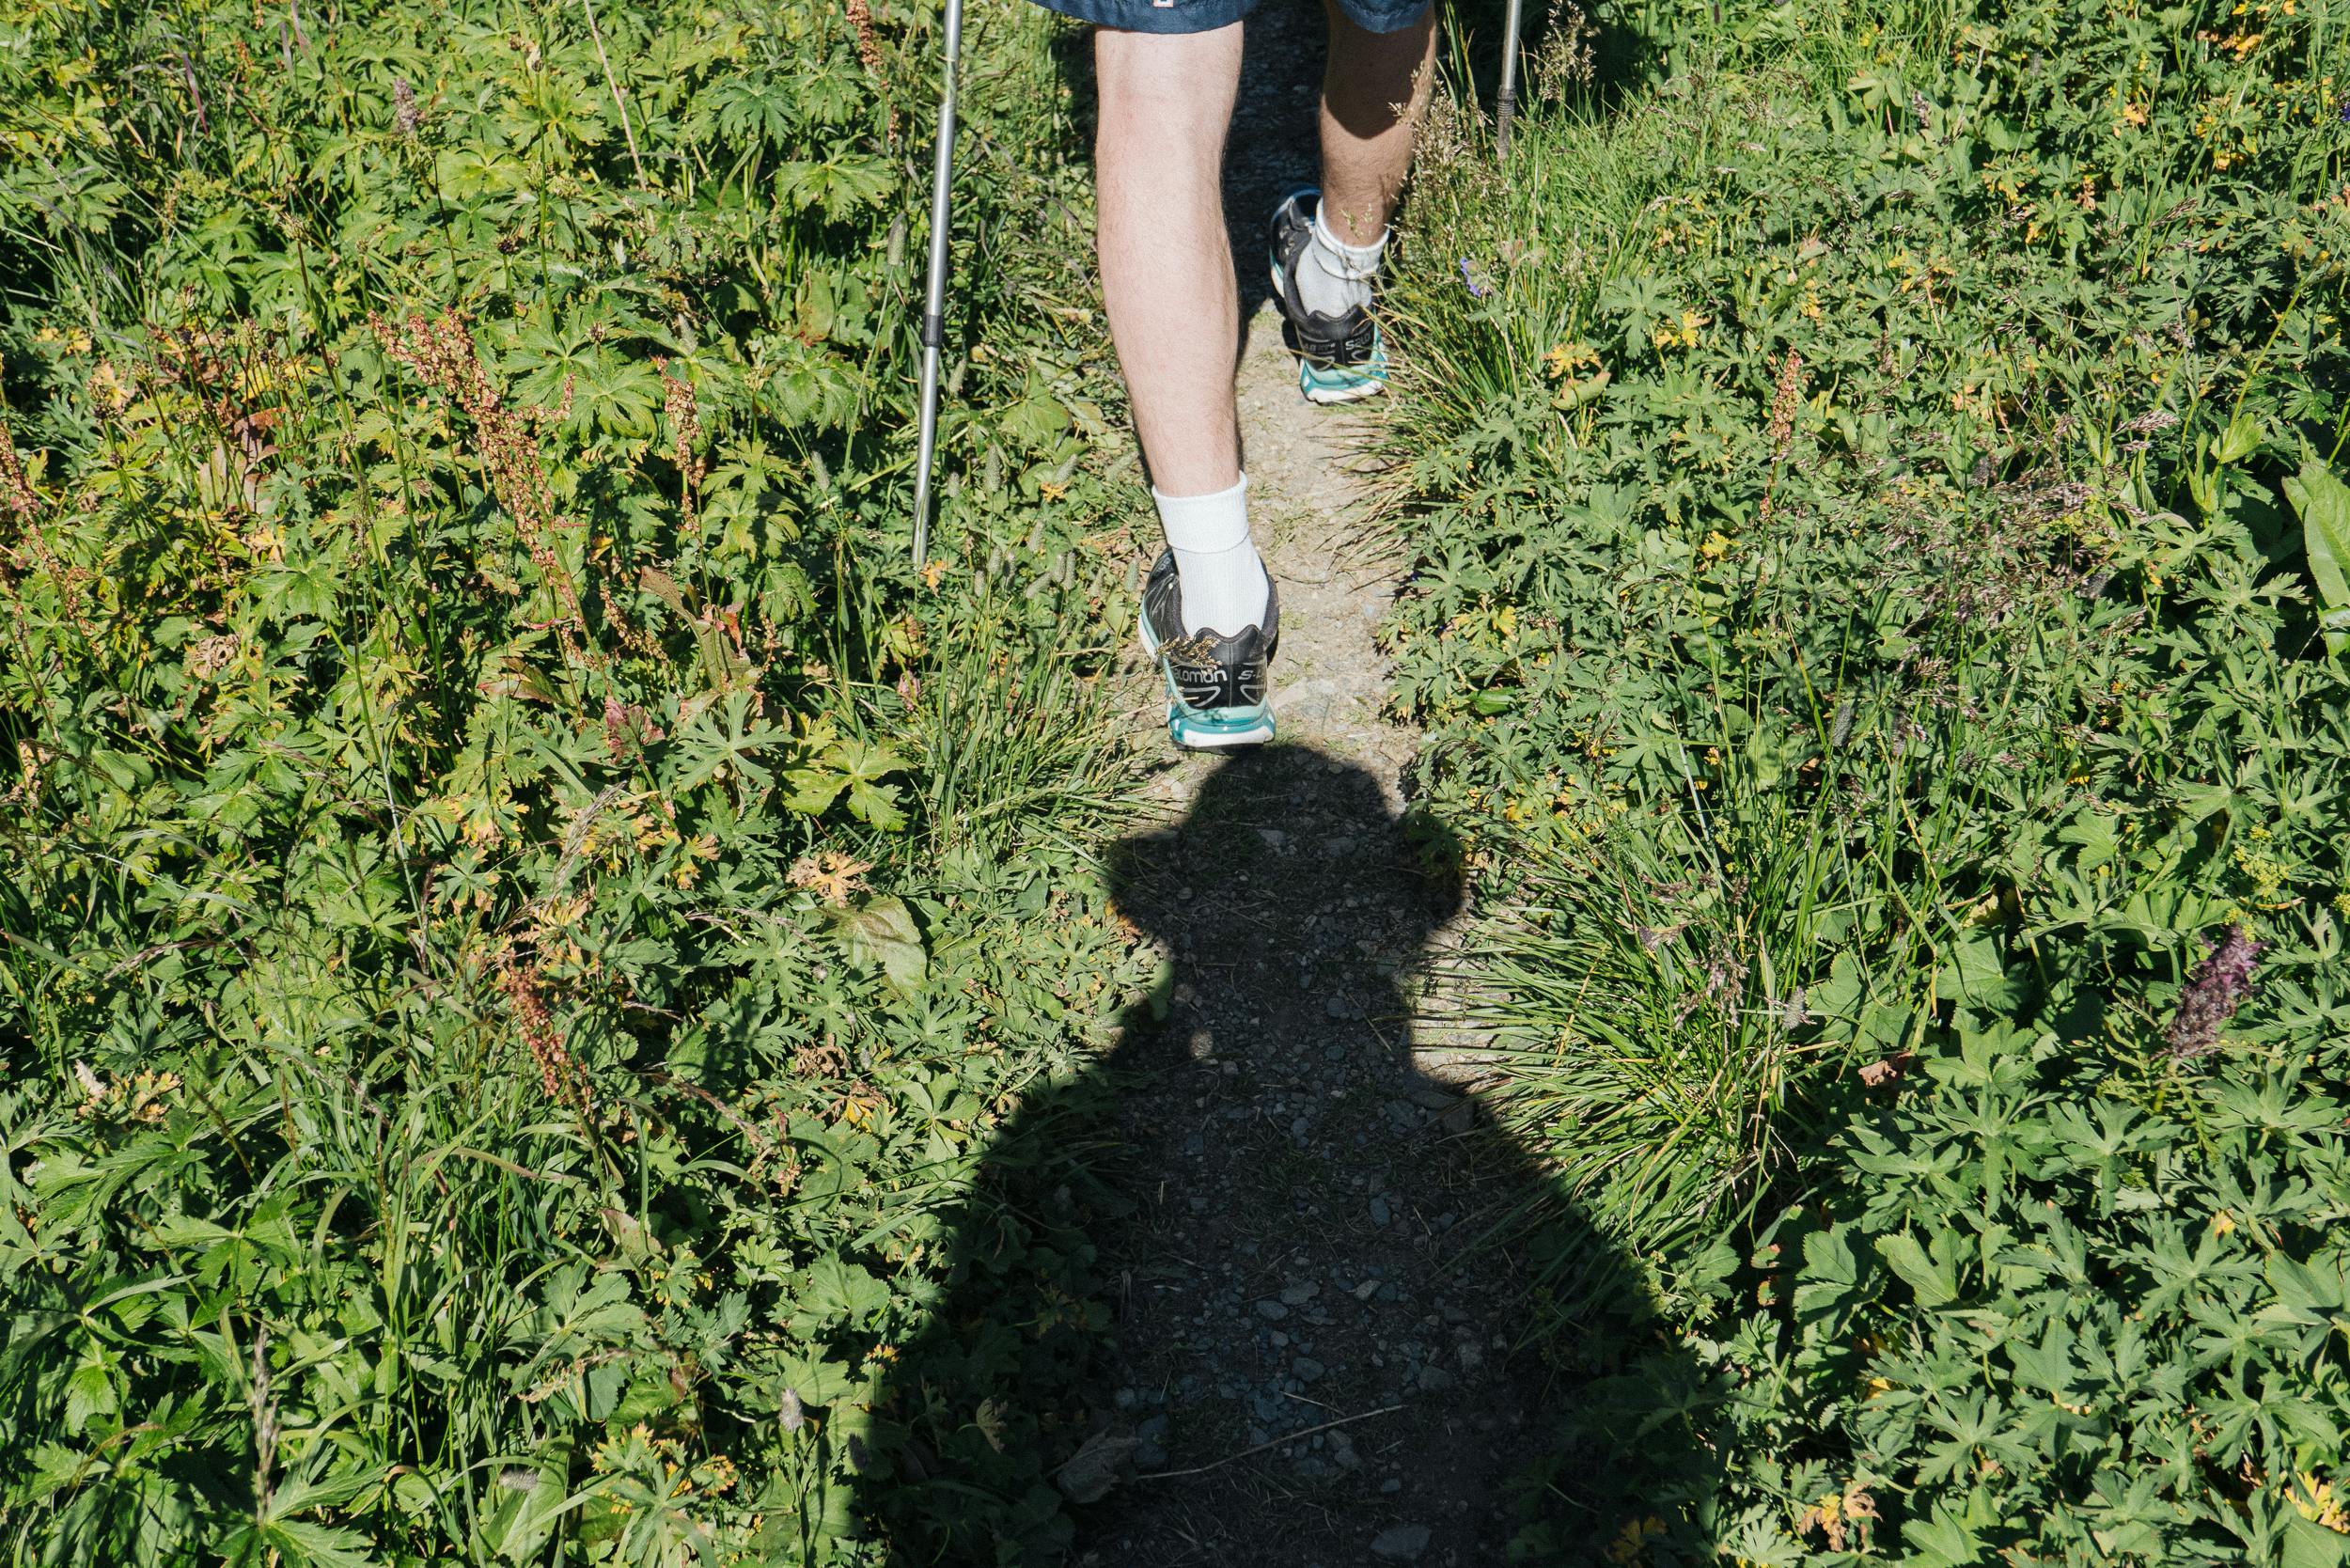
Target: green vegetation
{"x":524,"y":913}
{"x":528,"y":915}
{"x":1873,"y":473}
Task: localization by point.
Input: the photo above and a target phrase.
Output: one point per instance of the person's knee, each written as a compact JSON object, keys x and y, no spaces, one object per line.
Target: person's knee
{"x":1173,"y":91}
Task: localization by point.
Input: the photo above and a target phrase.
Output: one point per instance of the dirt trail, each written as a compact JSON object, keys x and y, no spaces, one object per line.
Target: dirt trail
{"x":1304,"y":1186}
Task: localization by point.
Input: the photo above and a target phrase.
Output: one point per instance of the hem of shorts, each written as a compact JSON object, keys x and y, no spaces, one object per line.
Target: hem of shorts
{"x":1385,"y":20}
{"x":1139,"y":16}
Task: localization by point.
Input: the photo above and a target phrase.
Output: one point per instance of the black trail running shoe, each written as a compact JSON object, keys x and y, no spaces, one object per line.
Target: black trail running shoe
{"x":1339,"y":358}
{"x":1216,"y":685}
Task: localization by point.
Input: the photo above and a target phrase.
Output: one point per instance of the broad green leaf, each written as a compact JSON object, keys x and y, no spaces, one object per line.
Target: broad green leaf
{"x":2310,"y":1293}
{"x":1941,"y":1541}
{"x":1934,"y":1281}
{"x":880,"y":931}
{"x":297,"y":1544}
{"x":55,"y":1465}
{"x":835,"y":1292}
{"x":1828,"y":1259}
{"x":1974,"y":971}
{"x":815,"y":1380}
{"x":711,"y":744}
{"x":2239,"y":440}
{"x":2096,"y":834}
{"x":88,"y":1391}
{"x":2324,"y":502}
{"x":2310,"y":1545}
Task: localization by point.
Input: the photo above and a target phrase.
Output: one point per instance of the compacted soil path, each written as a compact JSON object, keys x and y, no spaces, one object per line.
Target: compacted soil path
{"x":1313,"y":1361}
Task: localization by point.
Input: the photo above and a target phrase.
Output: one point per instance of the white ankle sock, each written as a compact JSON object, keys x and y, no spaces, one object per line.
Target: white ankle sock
{"x":1333,"y":277}
{"x":1215,"y":561}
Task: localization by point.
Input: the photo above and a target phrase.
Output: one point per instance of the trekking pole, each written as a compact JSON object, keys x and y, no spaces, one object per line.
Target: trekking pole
{"x":935,"y":302}
{"x":1506,"y":102}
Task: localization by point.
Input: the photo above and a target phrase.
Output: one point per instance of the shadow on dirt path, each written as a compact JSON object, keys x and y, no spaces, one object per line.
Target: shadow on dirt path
{"x":1301,"y":1197}
{"x":1301,"y":1350}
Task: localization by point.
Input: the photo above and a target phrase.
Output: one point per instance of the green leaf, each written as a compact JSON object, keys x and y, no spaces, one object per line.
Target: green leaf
{"x":1934,"y":1281}
{"x":305,"y":589}
{"x":1828,"y":1259}
{"x":836,"y":1292}
{"x":89,"y":1391}
{"x":871,"y":801}
{"x":1974,"y":971}
{"x":815,"y":1379}
{"x":1839,"y":994}
{"x":314,"y":1545}
{"x":56,"y":1466}
{"x":2310,"y":1545}
{"x":880,"y":931}
{"x":1941,"y":1541}
{"x":2097,"y":837}
{"x":1831,"y":1278}
{"x":1037,"y":417}
{"x":2324,"y":502}
{"x":812,"y":790}
{"x":711,"y":744}
{"x":2239,"y":440}
{"x":856,"y":767}
{"x":2308,"y":1295}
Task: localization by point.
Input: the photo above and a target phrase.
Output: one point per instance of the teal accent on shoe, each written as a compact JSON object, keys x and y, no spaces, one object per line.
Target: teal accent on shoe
{"x":1205,"y":728}
{"x":1225,"y":727}
{"x":1345,"y":383}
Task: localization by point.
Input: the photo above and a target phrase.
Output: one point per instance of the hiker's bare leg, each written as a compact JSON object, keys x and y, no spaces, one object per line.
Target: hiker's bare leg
{"x":1166,"y":267}
{"x":1373,"y":92}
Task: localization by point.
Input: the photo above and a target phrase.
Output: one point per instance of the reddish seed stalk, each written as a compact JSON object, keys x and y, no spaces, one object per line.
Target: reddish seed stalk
{"x":441,"y":352}
{"x":1783,"y":403}
{"x":558,"y":1072}
{"x":685,"y":427}
{"x":19,"y":497}
{"x":869,"y":51}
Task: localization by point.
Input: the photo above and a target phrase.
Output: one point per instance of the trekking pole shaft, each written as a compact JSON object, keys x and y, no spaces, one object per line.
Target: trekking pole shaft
{"x":935,"y":300}
{"x":1506,"y":102}
{"x":929,"y":444}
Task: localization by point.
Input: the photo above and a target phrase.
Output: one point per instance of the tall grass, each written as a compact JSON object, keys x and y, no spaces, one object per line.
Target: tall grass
{"x":1768,"y":484}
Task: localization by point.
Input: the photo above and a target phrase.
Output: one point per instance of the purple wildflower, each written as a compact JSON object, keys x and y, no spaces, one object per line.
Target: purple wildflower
{"x":1477,"y":291}
{"x":2215,"y":989}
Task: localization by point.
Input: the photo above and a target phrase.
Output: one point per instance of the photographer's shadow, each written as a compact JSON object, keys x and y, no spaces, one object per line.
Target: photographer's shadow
{"x":1323,"y":1345}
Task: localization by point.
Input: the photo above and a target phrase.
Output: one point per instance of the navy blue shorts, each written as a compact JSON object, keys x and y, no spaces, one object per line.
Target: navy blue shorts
{"x":1203,"y":16}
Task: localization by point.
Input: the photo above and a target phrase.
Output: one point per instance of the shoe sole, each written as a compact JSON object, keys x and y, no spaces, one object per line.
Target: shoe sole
{"x":1367,"y":386}
{"x":1196,"y":730}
